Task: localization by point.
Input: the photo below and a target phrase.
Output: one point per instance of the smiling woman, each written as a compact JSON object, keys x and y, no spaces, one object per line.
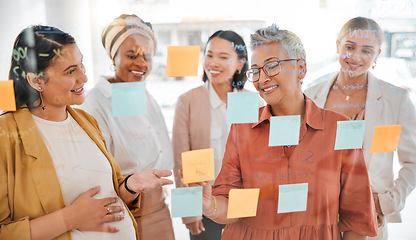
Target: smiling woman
{"x":138,"y":142}
{"x":338,"y":194}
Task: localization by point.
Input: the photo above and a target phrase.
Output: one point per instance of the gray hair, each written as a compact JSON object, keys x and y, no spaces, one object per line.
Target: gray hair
{"x":272,"y":34}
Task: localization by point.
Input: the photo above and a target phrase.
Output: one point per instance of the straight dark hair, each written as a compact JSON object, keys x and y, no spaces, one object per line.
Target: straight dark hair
{"x":33,"y":51}
{"x":239,"y":79}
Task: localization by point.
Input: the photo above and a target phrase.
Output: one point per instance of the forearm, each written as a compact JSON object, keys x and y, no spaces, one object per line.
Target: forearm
{"x":350,"y":235}
{"x":217,"y":211}
{"x":126,"y":196}
{"x":40,"y":228}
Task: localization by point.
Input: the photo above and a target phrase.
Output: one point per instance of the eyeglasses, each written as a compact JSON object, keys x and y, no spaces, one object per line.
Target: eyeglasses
{"x":271,"y":69}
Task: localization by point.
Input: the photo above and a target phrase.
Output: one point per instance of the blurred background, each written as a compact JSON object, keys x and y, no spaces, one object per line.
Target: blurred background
{"x":191,"y":22}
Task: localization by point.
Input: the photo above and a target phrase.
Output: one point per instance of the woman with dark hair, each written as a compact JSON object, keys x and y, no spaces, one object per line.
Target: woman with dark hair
{"x":137,"y":142}
{"x":355,"y":92}
{"x":57,"y":178}
{"x":201,"y":113}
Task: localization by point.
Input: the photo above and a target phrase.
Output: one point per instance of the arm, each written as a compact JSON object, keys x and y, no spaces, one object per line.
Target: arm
{"x":357,"y":214}
{"x":353,"y":236}
{"x":215,"y":201}
{"x":181,"y":143}
{"x":215,"y":207}
{"x":394,"y":199}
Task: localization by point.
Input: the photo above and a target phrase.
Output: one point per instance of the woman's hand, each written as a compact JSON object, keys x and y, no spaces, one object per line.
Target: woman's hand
{"x":88,"y":213}
{"x":148,"y":179}
{"x":195,"y":227}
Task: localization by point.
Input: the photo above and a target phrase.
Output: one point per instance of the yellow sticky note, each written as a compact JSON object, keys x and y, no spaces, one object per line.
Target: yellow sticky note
{"x":385,"y":138}
{"x":243,"y":202}
{"x":198,"y":165}
{"x":7,"y":100}
{"x":182,"y":61}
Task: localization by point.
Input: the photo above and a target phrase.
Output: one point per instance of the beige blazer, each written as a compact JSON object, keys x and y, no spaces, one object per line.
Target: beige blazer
{"x":191,"y":129}
{"x":29,"y":186}
{"x":386,"y":104}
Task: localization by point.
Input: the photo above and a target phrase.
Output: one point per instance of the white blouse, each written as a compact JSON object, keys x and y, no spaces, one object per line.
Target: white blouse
{"x":80,"y":165}
{"x":136,"y":142}
{"x":219,"y":126}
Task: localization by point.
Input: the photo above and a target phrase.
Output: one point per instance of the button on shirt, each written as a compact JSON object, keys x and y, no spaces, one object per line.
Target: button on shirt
{"x":137,"y":142}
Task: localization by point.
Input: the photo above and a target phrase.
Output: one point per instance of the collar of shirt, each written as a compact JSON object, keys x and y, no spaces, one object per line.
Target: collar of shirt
{"x":313,"y":115}
{"x":213,"y":96}
{"x":104,"y":86}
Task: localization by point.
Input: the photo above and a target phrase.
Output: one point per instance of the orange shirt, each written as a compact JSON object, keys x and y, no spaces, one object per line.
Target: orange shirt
{"x":339,"y":194}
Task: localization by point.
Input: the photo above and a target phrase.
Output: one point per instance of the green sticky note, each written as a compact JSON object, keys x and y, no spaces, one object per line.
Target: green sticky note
{"x":243,"y":107}
{"x":292,"y":198}
{"x":128,"y":98}
{"x":186,"y":202}
{"x":284,"y":130}
{"x":350,"y":134}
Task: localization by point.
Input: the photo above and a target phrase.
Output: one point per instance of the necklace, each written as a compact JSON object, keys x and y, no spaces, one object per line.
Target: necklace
{"x":347,"y":96}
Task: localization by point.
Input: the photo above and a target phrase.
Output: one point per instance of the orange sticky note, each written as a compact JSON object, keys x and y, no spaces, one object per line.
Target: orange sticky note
{"x":243,"y":202}
{"x":385,"y":138}
{"x":7,"y":100}
{"x":198,"y":165}
{"x":182,"y":61}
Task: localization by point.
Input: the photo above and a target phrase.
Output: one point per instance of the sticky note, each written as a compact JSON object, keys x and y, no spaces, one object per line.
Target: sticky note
{"x":243,"y":202}
{"x":186,"y":202}
{"x":292,"y":198}
{"x":182,"y":61}
{"x":198,"y":165}
{"x":128,"y":98}
{"x":385,"y":138}
{"x":243,"y":107}
{"x":284,"y":130}
{"x":350,"y":134}
{"x":7,"y":100}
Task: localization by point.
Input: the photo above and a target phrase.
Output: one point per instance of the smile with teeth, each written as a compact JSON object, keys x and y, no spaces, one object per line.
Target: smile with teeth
{"x":137,"y":73}
{"x":353,"y":65}
{"x":270,"y":88}
{"x":214,"y":72}
{"x":77,"y":90}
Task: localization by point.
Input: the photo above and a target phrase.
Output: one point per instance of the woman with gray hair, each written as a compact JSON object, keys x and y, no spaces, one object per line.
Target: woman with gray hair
{"x":338,"y":195}
{"x":138,"y":143}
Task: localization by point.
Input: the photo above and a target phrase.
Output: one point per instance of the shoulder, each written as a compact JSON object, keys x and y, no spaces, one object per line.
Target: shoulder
{"x":387,"y":88}
{"x":194,"y":93}
{"x":81,"y":114}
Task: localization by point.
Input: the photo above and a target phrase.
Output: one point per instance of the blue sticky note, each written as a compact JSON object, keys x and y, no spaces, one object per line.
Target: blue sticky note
{"x":186,"y":202}
{"x":284,"y":130}
{"x":292,"y":198}
{"x":350,"y":134}
{"x":243,"y":107}
{"x":128,"y":98}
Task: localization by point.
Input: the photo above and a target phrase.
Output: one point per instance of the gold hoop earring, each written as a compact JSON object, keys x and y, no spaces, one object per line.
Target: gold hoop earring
{"x":41,"y":100}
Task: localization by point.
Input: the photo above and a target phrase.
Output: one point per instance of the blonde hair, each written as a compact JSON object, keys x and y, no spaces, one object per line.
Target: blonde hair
{"x":361,"y":26}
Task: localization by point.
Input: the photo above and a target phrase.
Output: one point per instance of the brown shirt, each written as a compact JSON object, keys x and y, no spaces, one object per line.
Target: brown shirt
{"x":339,"y":194}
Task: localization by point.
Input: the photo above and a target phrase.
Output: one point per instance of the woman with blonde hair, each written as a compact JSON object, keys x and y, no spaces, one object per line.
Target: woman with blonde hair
{"x":355,"y":92}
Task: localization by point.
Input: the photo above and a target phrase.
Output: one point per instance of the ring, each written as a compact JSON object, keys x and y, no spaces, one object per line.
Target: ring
{"x":108,"y":209}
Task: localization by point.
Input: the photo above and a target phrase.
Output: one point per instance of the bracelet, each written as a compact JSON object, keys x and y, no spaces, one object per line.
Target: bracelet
{"x":215,"y":208}
{"x":125,"y":185}
{"x":215,"y":205}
